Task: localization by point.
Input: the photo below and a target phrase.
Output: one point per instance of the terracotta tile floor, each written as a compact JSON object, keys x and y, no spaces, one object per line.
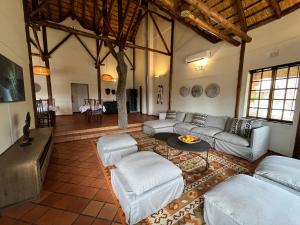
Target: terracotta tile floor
{"x":75,"y":192}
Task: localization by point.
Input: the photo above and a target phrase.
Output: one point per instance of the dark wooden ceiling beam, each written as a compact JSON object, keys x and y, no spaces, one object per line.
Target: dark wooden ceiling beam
{"x":123,"y":18}
{"x":134,"y":14}
{"x":159,"y":15}
{"x":60,"y":9}
{"x":128,"y":59}
{"x":276,"y":8}
{"x":137,"y":24}
{"x":159,"y":32}
{"x":90,"y":35}
{"x":36,"y":38}
{"x":240,"y":12}
{"x":35,"y":54}
{"x":174,"y":15}
{"x":104,"y":57}
{"x":130,"y":45}
{"x":200,"y":23}
{"x":95,"y":16}
{"x":72,"y":9}
{"x":33,"y":43}
{"x":85,"y":47}
{"x":59,"y":44}
{"x":106,"y":28}
{"x":39,"y":8}
{"x":120,"y":17}
{"x":69,"y":30}
{"x":220,"y":19}
{"x":99,"y":53}
{"x":83,"y":12}
{"x":213,"y":30}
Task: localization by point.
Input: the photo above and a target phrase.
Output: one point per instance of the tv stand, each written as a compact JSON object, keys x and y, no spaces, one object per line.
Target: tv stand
{"x":23,"y":169}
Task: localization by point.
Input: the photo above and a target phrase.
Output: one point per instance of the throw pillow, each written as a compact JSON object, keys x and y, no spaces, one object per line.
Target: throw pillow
{"x":199,"y":119}
{"x":243,"y":126}
{"x":180,"y":116}
{"x":171,"y":115}
{"x":188,"y":118}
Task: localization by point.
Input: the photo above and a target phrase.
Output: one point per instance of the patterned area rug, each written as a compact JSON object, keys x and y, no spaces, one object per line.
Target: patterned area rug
{"x":188,"y":209}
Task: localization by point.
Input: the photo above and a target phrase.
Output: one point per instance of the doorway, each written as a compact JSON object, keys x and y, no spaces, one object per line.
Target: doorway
{"x":79,"y":92}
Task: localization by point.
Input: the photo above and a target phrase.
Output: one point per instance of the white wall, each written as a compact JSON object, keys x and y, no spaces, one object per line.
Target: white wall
{"x":281,"y":35}
{"x":284,"y":36}
{"x":13,"y":46}
{"x":141,"y":66}
{"x":153,"y":64}
{"x":70,"y":63}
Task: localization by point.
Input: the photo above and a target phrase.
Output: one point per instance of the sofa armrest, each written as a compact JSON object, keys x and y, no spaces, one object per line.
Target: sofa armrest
{"x":162,"y":115}
{"x":259,"y":141}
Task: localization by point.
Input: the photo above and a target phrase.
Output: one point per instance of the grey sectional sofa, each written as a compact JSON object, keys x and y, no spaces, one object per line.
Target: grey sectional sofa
{"x":215,"y":131}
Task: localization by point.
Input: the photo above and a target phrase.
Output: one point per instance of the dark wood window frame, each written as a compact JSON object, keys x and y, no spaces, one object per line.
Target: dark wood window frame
{"x":272,"y":80}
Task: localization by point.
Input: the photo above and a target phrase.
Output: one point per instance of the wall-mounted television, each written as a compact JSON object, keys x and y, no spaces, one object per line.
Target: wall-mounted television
{"x":11,"y":81}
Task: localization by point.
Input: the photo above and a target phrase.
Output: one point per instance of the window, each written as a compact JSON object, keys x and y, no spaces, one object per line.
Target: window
{"x":273,"y":92}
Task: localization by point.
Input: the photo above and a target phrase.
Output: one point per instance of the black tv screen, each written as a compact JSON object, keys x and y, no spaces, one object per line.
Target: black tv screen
{"x":11,"y":81}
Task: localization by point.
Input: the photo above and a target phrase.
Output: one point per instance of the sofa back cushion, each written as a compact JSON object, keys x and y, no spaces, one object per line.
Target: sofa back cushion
{"x":188,"y":117}
{"x":180,"y":116}
{"x":243,"y":126}
{"x":199,"y":119}
{"x":216,"y":121}
{"x":171,"y":115}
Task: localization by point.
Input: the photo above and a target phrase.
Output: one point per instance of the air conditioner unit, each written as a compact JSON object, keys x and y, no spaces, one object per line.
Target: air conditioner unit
{"x":198,"y":56}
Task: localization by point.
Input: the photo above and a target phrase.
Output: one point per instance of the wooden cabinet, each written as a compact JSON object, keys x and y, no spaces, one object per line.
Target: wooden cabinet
{"x":23,"y":169}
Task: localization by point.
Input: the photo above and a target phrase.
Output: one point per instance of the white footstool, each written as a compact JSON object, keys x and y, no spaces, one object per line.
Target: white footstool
{"x":281,"y":171}
{"x":112,"y":148}
{"x":244,"y":200}
{"x":145,"y":182}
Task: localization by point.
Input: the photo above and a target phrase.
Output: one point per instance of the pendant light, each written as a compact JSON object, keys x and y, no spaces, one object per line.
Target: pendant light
{"x":41,"y":70}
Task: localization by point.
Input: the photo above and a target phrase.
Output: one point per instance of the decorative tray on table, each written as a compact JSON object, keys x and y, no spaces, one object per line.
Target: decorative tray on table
{"x":189,"y":139}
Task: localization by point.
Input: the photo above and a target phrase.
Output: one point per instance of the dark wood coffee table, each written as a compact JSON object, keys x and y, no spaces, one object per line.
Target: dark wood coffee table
{"x":201,"y":146}
{"x":173,"y":141}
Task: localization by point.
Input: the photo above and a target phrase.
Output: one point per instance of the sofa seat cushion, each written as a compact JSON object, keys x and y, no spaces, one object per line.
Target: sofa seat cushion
{"x":115,"y":142}
{"x":156,"y":124}
{"x":146,"y":170}
{"x":233,"y":139}
{"x":244,"y":200}
{"x":280,"y":169}
{"x":185,"y":126}
{"x":208,"y":131}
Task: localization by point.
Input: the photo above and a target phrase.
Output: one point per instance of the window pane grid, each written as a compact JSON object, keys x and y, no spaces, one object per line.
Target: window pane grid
{"x":273,"y":92}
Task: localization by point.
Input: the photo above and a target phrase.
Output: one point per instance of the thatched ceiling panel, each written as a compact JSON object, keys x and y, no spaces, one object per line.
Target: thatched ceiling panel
{"x":89,"y":14}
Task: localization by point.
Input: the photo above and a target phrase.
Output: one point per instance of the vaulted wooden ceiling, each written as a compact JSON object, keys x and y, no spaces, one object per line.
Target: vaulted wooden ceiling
{"x":212,"y":19}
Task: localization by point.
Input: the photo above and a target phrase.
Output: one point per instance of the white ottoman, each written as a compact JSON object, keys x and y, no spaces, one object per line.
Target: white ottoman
{"x":244,"y":200}
{"x":112,"y":148}
{"x":145,"y":182}
{"x":281,"y":171}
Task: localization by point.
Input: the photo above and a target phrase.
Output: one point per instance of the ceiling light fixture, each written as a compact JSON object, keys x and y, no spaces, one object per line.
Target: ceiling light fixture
{"x":108,"y":77}
{"x":185,"y":13}
{"x":41,"y":70}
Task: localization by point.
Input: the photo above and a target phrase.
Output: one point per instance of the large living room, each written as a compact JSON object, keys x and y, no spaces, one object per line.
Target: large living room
{"x":151,"y":112}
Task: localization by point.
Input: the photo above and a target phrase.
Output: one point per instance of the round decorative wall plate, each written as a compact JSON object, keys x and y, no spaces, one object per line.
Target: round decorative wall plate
{"x":196,"y":91}
{"x":184,"y":91}
{"x":37,"y":87}
{"x":212,"y":90}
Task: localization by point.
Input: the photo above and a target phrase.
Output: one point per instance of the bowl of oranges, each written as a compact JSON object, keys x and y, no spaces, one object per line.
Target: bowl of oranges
{"x":189,"y":139}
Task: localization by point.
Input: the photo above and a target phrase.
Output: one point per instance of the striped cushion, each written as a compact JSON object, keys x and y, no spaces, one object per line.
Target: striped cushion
{"x":243,"y":126}
{"x":171,"y":115}
{"x":199,"y":119}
